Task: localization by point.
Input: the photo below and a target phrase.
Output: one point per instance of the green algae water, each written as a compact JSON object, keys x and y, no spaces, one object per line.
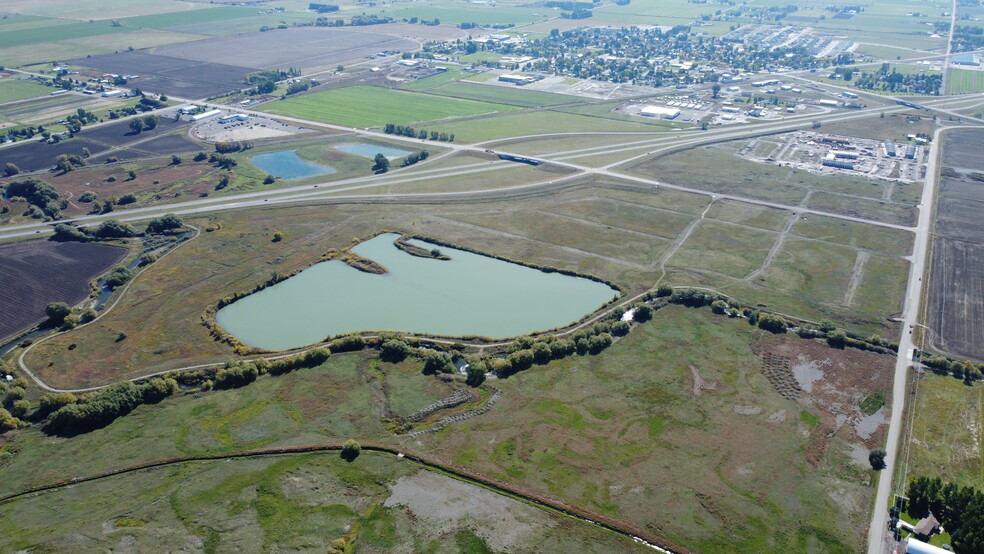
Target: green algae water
{"x":469,"y":294}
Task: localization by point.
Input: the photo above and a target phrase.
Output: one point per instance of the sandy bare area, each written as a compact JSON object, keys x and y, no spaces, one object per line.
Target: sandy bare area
{"x":252,"y":129}
{"x":448,"y":503}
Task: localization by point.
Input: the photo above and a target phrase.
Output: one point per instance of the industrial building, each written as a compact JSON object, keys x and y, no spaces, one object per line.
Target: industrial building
{"x":659,"y":111}
{"x":910,"y":151}
{"x":829,"y":103}
{"x":206,"y":115}
{"x":889,"y":148}
{"x":844,"y":155}
{"x":830,"y":161}
{"x":765,"y":83}
{"x":516,"y":79}
{"x":234,"y":117}
{"x":112,"y":93}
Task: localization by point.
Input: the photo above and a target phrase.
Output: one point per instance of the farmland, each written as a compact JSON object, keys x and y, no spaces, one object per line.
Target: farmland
{"x":316,"y":48}
{"x":955,"y":312}
{"x":13,"y":89}
{"x":348,"y":107}
{"x":963,"y":81}
{"x":35,"y":273}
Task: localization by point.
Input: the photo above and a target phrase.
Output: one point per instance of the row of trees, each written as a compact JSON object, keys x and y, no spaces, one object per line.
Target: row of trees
{"x":423,"y":134}
{"x":104,"y":406}
{"x":115,"y":229}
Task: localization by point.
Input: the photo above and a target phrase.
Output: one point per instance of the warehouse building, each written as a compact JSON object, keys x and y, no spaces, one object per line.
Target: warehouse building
{"x":659,"y":111}
{"x":206,"y":115}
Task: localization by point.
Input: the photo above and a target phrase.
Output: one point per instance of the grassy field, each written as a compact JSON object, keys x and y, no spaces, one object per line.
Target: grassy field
{"x":535,"y":123}
{"x":964,"y":81}
{"x":636,"y":433}
{"x":297,"y":502}
{"x":626,"y":434}
{"x":721,"y":170}
{"x":946,"y":431}
{"x":15,"y":89}
{"x":348,"y":106}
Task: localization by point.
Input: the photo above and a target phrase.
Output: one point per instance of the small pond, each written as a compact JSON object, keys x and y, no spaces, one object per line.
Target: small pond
{"x":287,"y":165}
{"x":370,"y":150}
{"x":469,"y":294}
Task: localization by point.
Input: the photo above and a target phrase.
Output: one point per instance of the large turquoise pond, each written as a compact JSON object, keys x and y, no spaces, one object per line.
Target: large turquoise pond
{"x":469,"y":294}
{"x":370,"y":150}
{"x":287,"y":165}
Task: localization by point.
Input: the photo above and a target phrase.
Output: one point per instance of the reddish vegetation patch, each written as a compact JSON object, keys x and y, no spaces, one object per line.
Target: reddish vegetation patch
{"x":834,"y":382}
{"x":170,"y":179}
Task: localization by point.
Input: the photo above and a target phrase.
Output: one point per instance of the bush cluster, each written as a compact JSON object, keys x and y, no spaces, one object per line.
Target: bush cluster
{"x":101,"y":408}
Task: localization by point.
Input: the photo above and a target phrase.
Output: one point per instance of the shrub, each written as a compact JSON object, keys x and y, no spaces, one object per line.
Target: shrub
{"x":438,"y":362}
{"x":476,"y":374}
{"x":837,"y":339}
{"x":664,"y":290}
{"x":772,"y":323}
{"x":65,"y":233}
{"x":118,"y":276}
{"x":112,"y":228}
{"x":164,"y":224}
{"x":88,"y":196}
{"x":8,"y":422}
{"x":57,"y":312}
{"x":126,"y":199}
{"x":351,"y":450}
{"x":642,"y":313}
{"x":621,"y":328}
{"x":236,"y":375}
{"x":877,"y":458}
{"x":50,"y":403}
{"x":348,"y":343}
{"x":20,"y":407}
{"x":394,"y":351}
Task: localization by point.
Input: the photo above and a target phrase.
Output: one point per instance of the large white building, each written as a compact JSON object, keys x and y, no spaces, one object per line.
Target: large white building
{"x":659,"y":111}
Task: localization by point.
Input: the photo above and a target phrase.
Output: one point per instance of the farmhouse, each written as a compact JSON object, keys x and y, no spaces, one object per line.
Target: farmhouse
{"x":206,"y":115}
{"x":659,"y":111}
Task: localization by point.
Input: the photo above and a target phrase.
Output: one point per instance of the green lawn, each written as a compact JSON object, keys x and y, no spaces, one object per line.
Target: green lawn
{"x":15,"y":89}
{"x":365,"y":106}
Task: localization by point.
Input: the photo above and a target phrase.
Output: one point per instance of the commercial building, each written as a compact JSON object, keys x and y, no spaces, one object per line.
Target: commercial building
{"x":205,"y":115}
{"x":830,"y":161}
{"x":234,"y":117}
{"x":516,"y":79}
{"x":659,"y":111}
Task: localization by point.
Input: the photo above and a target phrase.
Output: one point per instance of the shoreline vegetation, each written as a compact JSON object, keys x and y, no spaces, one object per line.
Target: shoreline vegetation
{"x":370,"y":266}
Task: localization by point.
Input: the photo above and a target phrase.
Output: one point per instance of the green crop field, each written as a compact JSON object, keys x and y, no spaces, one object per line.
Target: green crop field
{"x":965,"y":81}
{"x":483,"y":15}
{"x":363,"y":106}
{"x":505,"y":95}
{"x":15,"y":89}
